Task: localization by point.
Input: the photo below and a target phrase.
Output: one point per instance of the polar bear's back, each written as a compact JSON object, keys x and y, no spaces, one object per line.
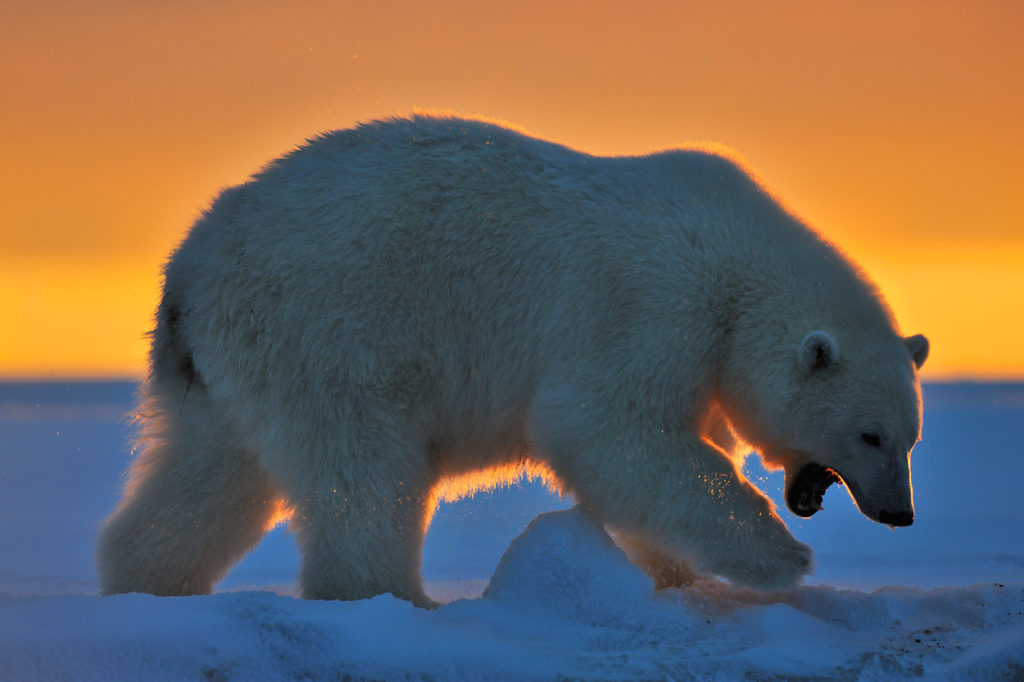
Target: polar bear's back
{"x":417,"y":257}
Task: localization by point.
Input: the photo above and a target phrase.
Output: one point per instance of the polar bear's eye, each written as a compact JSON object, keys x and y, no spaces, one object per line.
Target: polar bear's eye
{"x":871,"y":439}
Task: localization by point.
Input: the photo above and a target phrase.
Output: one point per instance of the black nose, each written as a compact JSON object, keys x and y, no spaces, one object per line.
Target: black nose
{"x":903,"y":518}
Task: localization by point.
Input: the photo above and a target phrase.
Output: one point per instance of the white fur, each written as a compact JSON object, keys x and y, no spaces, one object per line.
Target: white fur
{"x":411,"y":300}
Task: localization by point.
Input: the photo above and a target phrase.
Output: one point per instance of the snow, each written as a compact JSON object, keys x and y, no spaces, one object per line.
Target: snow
{"x":535,"y":589}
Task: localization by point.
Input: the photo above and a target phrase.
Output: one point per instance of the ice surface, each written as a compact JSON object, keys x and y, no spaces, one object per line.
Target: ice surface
{"x":942,"y":599}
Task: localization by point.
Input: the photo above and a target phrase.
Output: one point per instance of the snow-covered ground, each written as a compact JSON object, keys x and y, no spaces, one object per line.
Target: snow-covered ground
{"x":942,"y":599}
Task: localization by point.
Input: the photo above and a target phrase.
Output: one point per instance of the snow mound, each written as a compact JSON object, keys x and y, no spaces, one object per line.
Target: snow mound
{"x":565,"y":563}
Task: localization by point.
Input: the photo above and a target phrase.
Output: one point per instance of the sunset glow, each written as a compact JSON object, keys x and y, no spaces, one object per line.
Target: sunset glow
{"x":893,"y":128}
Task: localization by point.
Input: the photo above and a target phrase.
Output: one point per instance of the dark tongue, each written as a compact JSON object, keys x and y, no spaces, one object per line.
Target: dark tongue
{"x":805,"y":492}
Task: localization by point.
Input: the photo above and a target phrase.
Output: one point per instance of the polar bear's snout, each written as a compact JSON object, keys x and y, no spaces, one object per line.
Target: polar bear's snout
{"x":883,"y":493}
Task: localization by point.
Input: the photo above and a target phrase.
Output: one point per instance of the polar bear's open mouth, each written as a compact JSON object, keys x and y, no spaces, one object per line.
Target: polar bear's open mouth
{"x":804,"y":494}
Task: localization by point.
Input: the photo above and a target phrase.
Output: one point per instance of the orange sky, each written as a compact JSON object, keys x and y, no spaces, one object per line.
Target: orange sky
{"x":893,"y":127}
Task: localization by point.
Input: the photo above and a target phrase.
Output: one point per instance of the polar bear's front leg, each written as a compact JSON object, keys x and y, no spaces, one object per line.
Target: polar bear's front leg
{"x":672,"y":488}
{"x":666,"y":569}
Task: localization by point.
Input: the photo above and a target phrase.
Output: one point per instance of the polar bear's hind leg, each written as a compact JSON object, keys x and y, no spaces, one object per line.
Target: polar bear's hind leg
{"x":194,"y":503}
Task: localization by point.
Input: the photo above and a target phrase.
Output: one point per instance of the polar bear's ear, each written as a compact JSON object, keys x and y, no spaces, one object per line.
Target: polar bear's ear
{"x":917,"y":346}
{"x":817,"y":351}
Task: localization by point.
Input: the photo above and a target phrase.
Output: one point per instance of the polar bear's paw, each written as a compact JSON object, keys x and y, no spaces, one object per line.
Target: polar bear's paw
{"x":778,"y":561}
{"x":781,"y":567}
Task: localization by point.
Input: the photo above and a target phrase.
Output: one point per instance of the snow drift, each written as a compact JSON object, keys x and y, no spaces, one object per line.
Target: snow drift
{"x":943,"y":599}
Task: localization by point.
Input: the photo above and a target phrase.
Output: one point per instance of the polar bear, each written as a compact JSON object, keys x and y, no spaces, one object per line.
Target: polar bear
{"x":395,"y":305}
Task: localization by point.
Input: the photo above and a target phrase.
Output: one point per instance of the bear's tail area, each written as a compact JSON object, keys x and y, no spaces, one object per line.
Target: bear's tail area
{"x":195,"y":499}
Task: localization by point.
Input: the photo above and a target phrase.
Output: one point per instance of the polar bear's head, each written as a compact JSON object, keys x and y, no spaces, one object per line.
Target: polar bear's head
{"x":834,"y":406}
